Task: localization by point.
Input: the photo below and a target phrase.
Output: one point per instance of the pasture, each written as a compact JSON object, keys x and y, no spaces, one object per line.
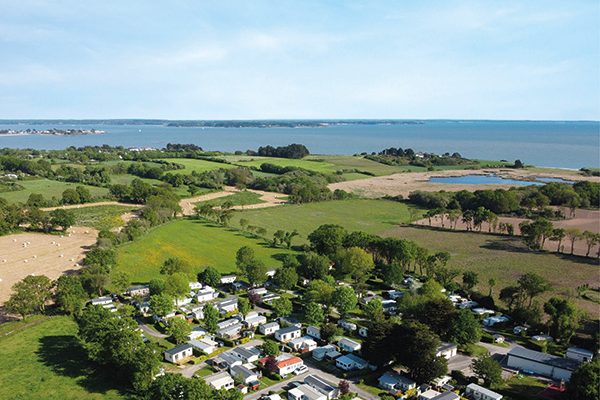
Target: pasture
{"x":199,"y":166}
{"x":372,"y":216}
{"x":505,"y":259}
{"x":40,"y":358}
{"x":100,"y":217}
{"x":198,"y":243}
{"x":48,"y":189}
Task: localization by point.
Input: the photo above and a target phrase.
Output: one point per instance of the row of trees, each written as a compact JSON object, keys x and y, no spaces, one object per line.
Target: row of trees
{"x":17,"y":216}
{"x":520,"y":201}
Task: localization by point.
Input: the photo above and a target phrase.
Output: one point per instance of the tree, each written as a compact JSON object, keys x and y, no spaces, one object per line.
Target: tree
{"x":95,"y":278}
{"x":535,"y":233}
{"x":63,"y":218}
{"x":488,"y":369}
{"x":327,"y":239}
{"x":271,"y":364}
{"x":249,"y":266}
{"x":585,"y":382}
{"x":591,"y":239}
{"x":29,"y":296}
{"x":179,"y":329}
{"x":70,"y":294}
{"x":355,"y":262}
{"x":415,"y":348}
{"x":113,"y":340}
{"x":84,"y":194}
{"x":377,"y":346}
{"x":313,"y":314}
{"x":120,"y":281}
{"x":104,"y":257}
{"x":210,"y":276}
{"x":161,"y":304}
{"x":564,"y":318}
{"x":174,"y":264}
{"x":286,"y":278}
{"x":244,"y":306}
{"x":319,"y":291}
{"x":270,"y":348}
{"x":177,"y":285}
{"x":344,"y":299}
{"x":533,"y":285}
{"x":573,"y":234}
{"x":211,"y":318}
{"x":330,"y":331}
{"x":282,"y":307}
{"x":491,"y":284}
{"x":465,"y":328}
{"x":314,"y":266}
{"x":558,"y":234}
{"x":344,"y":387}
{"x":373,"y":310}
{"x":70,"y":196}
{"x":470,"y":279}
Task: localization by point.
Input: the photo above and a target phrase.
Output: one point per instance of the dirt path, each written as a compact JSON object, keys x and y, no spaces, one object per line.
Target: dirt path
{"x":97,"y":204}
{"x":40,"y":254}
{"x":270,"y":199}
{"x":404,"y":183}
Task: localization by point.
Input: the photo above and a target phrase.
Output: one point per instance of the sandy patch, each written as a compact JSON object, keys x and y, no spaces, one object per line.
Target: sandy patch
{"x":405,"y":183}
{"x":584,"y":220}
{"x":50,"y":255}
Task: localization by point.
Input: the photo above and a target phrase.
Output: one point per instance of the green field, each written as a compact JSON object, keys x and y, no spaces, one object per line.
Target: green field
{"x":372,"y":216}
{"x":196,"y":165}
{"x":100,"y":217}
{"x":198,"y":243}
{"x":41,"y":359}
{"x":328,"y":164}
{"x":505,"y":259}
{"x":48,"y":189}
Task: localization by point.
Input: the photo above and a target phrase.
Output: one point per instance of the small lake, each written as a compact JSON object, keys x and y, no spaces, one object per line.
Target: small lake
{"x":492,"y":180}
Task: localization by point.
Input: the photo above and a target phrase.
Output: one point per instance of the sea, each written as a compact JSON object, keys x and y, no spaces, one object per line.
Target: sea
{"x":569,"y":145}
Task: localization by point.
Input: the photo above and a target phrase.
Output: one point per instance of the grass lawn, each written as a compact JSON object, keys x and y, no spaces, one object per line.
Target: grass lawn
{"x":100,"y":217}
{"x":196,"y":165}
{"x":521,"y":387}
{"x":204,"y":372}
{"x":317,"y":165}
{"x":41,"y":359}
{"x":238,"y":199}
{"x":198,"y":243}
{"x":48,"y":189}
{"x":505,"y":259}
{"x":373,"y":216}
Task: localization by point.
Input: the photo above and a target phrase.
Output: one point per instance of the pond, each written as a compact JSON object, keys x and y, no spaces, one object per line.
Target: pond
{"x":491,"y":179}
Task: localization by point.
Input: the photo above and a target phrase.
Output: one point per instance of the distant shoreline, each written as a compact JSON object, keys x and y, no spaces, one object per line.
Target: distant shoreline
{"x":51,"y":132}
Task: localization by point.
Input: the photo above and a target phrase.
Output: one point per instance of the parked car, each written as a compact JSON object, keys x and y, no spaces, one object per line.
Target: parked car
{"x":301,"y":370}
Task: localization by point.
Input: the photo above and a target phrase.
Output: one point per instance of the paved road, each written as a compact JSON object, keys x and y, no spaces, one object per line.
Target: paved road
{"x":151,"y":331}
{"x":312,"y":370}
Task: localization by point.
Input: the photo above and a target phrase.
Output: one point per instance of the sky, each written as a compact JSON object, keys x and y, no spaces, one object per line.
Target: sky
{"x":281,"y":59}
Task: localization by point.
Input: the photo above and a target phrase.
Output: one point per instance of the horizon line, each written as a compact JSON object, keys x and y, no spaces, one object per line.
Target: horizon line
{"x":291,"y":119}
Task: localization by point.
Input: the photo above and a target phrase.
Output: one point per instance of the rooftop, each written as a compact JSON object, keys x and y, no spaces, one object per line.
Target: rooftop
{"x":489,"y":393}
{"x":178,"y":349}
{"x":543,"y":358}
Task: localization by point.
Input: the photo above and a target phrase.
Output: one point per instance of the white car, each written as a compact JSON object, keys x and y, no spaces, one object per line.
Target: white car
{"x":301,"y":370}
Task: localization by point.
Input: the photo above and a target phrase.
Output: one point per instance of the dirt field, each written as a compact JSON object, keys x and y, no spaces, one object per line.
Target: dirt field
{"x":404,"y":183}
{"x":584,"y":220}
{"x":50,"y":255}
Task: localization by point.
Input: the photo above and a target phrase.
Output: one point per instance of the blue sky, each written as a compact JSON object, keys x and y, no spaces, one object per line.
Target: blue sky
{"x":300,"y":59}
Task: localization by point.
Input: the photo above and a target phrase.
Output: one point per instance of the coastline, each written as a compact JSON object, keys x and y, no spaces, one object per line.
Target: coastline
{"x":402,"y":184}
